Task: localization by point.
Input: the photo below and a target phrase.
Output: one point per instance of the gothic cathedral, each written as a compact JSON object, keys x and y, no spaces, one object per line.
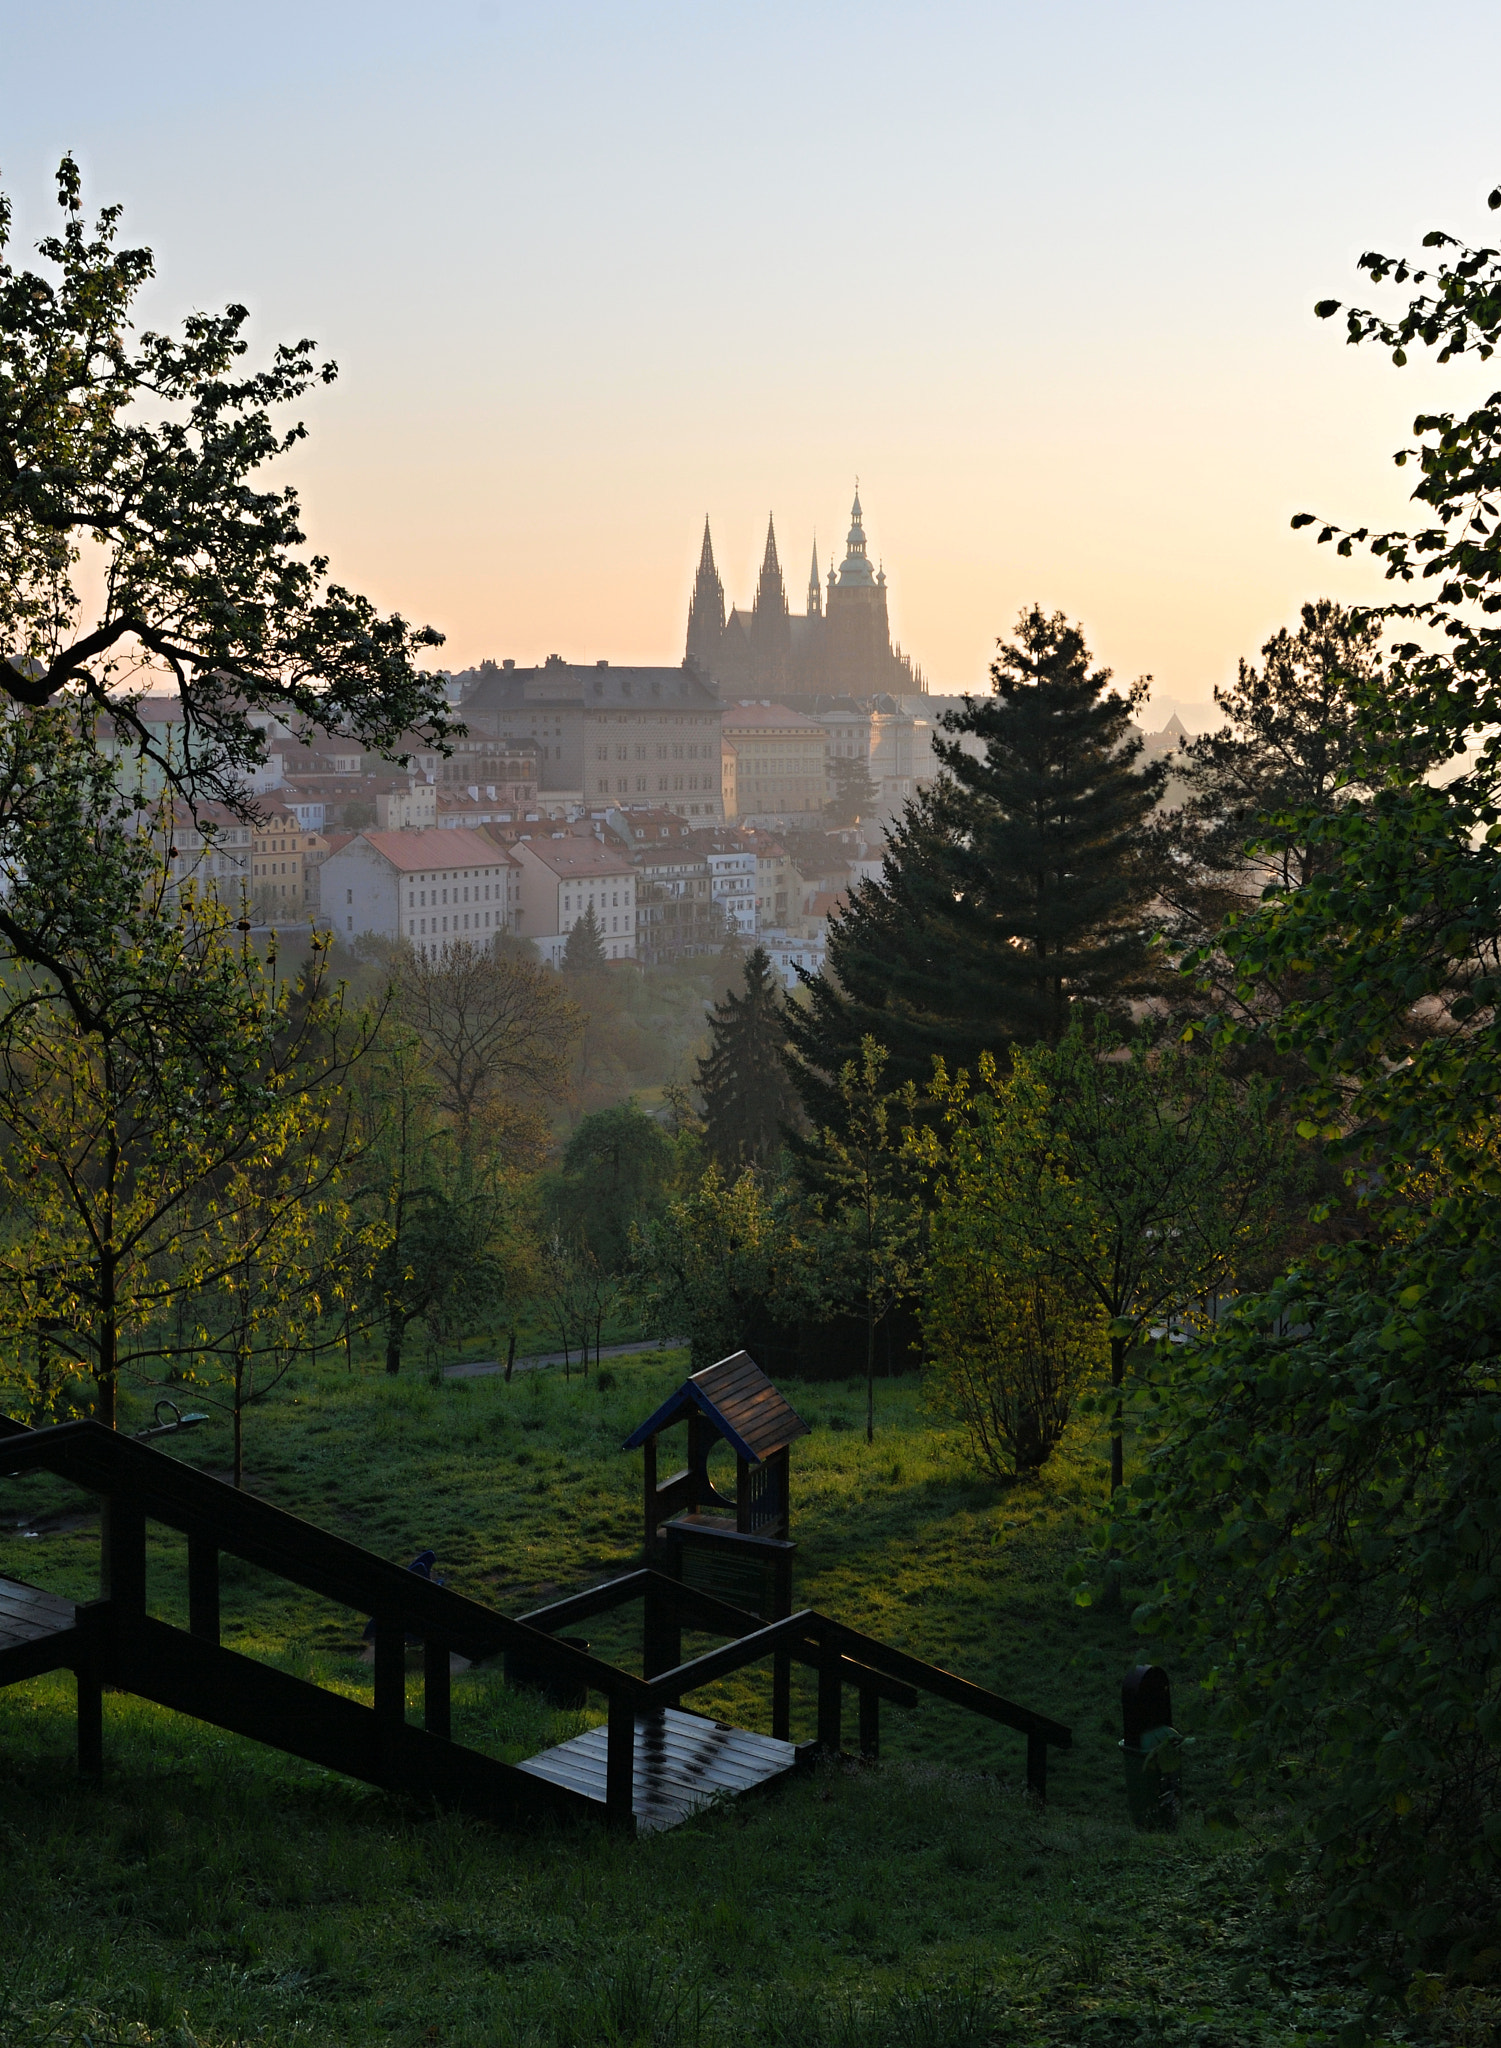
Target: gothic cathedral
{"x":840,"y":647}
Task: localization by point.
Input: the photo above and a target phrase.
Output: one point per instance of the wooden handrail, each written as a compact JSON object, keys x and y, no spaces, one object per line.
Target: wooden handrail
{"x":168,"y":1491}
{"x":809,"y":1634}
{"x":797,"y":1630}
{"x":138,"y":1481}
{"x":945,"y":1685}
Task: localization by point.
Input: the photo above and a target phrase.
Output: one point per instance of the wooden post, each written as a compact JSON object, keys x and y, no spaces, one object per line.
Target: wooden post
{"x":661,"y":1634}
{"x":781,"y":1660}
{"x":620,"y":1765}
{"x":649,"y":1483}
{"x":90,"y":1722}
{"x":781,"y":1695}
{"x":437,"y":1692}
{"x":390,"y":1672}
{"x":829,"y":1696}
{"x":203,"y":1587}
{"x":870,"y":1723}
{"x":122,"y":1557}
{"x":698,"y":1462}
{"x":1037,"y":1767}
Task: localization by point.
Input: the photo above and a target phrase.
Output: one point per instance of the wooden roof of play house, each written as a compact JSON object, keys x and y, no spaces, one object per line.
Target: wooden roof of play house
{"x":740,"y":1401}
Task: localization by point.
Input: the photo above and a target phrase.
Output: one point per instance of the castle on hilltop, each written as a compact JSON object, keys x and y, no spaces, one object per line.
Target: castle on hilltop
{"x":841,"y":646}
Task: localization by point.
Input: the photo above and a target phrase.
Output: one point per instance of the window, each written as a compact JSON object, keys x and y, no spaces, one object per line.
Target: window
{"x":349,"y":895}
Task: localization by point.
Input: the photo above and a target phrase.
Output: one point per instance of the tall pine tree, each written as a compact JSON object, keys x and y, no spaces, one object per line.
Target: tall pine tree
{"x":585,"y":952}
{"x":1013,"y":889}
{"x":749,"y":1099}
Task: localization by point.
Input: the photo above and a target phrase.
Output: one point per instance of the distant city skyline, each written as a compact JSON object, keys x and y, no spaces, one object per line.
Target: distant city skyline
{"x":1042,"y":278}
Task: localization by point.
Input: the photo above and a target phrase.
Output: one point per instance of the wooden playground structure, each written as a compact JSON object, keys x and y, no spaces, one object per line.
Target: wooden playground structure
{"x":650,"y":1764}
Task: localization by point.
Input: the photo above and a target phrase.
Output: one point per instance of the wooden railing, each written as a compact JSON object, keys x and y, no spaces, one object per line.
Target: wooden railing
{"x":116,"y":1642}
{"x":841,"y":1656}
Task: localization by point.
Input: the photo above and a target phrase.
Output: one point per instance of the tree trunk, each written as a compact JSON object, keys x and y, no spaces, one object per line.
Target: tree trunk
{"x":393,"y":1352}
{"x":870,"y":1372}
{"x":239,"y":1419}
{"x":106,"y":1369}
{"x":510,"y":1357}
{"x":1117,"y":1420}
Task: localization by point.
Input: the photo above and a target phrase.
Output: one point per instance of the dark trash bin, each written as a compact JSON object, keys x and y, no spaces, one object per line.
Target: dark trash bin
{"x":1152,"y":1749}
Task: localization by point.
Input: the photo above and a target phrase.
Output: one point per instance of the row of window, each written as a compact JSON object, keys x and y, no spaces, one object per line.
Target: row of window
{"x":418,"y":899}
{"x":616,"y":923}
{"x":482,"y":922}
{"x":623,"y":784}
{"x":568,"y":900}
{"x":623,"y":753}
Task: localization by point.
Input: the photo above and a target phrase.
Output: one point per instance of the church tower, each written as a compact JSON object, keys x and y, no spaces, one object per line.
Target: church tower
{"x":771,"y":629}
{"x":706,"y":612}
{"x":815,"y":591}
{"x":858,"y":631}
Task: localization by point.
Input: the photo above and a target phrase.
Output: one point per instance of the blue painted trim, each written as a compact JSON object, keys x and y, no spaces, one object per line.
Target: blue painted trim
{"x":677,"y":1404}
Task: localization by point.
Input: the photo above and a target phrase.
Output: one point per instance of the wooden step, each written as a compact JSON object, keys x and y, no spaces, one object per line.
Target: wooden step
{"x":36,"y":1631}
{"x":681,"y":1762}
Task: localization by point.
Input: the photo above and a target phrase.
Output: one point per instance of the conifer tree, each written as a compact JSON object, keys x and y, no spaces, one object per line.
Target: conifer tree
{"x":1294,"y":750}
{"x":1013,"y":890}
{"x":749,"y":1100}
{"x":854,"y":795}
{"x":584,"y":953}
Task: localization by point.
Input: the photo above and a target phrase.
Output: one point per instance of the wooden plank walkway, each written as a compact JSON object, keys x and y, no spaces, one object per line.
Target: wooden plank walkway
{"x":36,"y":1631}
{"x":681,"y":1761}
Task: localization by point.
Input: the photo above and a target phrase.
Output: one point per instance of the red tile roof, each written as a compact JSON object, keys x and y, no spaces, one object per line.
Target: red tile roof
{"x":444,"y":847}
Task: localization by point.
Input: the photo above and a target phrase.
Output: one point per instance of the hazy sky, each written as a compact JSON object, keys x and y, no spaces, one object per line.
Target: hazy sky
{"x":1042,"y":274}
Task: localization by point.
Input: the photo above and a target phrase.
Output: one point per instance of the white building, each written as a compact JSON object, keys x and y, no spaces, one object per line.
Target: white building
{"x":732,"y":883}
{"x":786,"y":952}
{"x":430,"y":887}
{"x":562,"y":878}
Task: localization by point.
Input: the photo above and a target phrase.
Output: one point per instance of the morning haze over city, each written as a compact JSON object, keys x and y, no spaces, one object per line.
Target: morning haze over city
{"x":750,"y":1025}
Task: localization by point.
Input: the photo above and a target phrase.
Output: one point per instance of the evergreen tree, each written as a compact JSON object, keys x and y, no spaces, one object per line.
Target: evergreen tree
{"x":854,"y":796}
{"x":1012,"y":890}
{"x":749,"y":1099}
{"x":1296,"y":734}
{"x":584,"y":953}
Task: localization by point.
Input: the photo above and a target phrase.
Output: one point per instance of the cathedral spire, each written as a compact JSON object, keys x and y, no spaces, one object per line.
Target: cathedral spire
{"x":771,"y":594}
{"x":855,"y":568}
{"x":815,"y":589}
{"x":771,"y":626}
{"x":706,"y":610}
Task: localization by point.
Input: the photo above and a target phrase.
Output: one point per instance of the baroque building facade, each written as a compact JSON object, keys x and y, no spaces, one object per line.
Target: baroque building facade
{"x":605,"y":734}
{"x":839,"y":646}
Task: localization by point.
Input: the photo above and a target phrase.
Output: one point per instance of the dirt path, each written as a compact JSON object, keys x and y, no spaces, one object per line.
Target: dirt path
{"x":483,"y":1368}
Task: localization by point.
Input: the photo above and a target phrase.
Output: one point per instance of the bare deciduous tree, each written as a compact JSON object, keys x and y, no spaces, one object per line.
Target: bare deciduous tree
{"x":498,"y":1032}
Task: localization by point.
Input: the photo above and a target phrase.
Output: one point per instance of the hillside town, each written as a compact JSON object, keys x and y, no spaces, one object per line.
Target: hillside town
{"x":674,"y":809}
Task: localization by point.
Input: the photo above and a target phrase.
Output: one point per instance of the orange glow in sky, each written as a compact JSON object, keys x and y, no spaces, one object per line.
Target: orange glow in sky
{"x":1042,"y":276}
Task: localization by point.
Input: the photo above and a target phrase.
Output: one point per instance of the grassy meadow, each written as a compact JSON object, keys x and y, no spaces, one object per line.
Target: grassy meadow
{"x":214,"y":1892}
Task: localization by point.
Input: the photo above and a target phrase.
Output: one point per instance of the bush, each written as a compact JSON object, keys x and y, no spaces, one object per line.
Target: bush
{"x":1323,"y":1513}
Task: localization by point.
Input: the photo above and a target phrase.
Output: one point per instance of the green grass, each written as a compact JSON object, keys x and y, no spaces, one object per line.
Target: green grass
{"x":214,"y":1891}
